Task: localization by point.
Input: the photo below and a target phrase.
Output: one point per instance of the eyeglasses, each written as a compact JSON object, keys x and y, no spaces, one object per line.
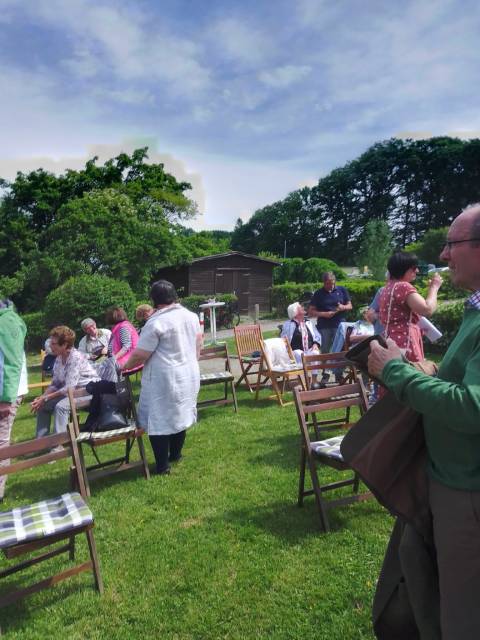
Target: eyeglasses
{"x":450,"y":243}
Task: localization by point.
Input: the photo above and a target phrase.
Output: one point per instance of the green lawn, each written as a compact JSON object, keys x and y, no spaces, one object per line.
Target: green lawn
{"x":218,"y":549}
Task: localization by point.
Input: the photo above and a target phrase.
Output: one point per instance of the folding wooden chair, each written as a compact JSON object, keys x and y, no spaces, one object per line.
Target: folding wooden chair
{"x":278,"y":364}
{"x":96,"y":439}
{"x":28,"y":528}
{"x":318,"y":363}
{"x":326,"y":452}
{"x":248,"y":339}
{"x":224,"y":376}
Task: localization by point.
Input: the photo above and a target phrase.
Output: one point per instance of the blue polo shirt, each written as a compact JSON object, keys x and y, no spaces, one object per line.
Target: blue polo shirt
{"x":324,"y":300}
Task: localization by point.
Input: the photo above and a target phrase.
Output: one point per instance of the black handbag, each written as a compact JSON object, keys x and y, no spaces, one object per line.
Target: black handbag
{"x":112,"y":414}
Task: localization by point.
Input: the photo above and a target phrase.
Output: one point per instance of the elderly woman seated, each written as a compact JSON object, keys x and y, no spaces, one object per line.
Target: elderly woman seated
{"x":302,"y":335}
{"x":71,"y":369}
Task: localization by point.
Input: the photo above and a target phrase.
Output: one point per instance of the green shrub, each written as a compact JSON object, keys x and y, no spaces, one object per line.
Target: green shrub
{"x":361,"y":292}
{"x":300,"y":270}
{"x":87,"y":296}
{"x":447,"y":318}
{"x":37,"y":330}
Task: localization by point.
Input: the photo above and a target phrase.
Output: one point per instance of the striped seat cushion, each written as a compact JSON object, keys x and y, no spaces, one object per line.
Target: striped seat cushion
{"x":329,"y":448}
{"x":85,"y":436}
{"x":217,"y":375}
{"x":41,"y":519}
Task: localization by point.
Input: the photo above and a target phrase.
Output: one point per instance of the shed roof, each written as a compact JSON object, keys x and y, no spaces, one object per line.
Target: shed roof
{"x":235,"y":253}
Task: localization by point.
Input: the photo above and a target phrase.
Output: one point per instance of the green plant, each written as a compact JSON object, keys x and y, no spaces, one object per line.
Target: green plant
{"x":375,"y":247}
{"x":87,"y":296}
{"x":37,"y":330}
{"x":447,"y":318}
{"x":300,"y":270}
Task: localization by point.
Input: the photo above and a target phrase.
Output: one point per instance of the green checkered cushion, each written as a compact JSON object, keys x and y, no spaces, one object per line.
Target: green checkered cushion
{"x":217,"y":375}
{"x":85,"y":436}
{"x":329,"y":448}
{"x":42,"y":519}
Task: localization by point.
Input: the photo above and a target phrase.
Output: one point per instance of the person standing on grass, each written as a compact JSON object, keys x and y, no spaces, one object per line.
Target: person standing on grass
{"x":169,"y":347}
{"x":13,"y":374}
{"x":329,"y":305}
{"x":450,"y":407}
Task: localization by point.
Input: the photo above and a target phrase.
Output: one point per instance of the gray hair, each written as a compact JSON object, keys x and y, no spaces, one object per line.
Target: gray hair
{"x":86,"y":323}
{"x":328,"y":275}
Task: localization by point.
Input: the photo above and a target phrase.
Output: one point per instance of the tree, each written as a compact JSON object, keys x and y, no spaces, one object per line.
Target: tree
{"x":430,"y":246}
{"x":375,"y":248}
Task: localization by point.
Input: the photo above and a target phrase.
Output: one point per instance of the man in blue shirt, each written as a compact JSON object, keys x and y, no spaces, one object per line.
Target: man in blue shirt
{"x":329,"y":305}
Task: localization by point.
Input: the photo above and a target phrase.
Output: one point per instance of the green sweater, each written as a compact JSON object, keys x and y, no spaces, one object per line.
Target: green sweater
{"x":450,"y":404}
{"x":12,"y":337}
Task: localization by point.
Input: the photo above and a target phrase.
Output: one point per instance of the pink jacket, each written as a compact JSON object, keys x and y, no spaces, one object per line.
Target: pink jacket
{"x":117,"y":345}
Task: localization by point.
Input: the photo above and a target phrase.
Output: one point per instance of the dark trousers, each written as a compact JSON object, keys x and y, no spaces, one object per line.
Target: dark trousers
{"x":167,"y":449}
{"x":456,"y":530}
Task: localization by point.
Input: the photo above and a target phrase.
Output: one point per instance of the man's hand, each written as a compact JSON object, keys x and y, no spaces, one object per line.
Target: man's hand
{"x":5,"y":409}
{"x":379,"y":356}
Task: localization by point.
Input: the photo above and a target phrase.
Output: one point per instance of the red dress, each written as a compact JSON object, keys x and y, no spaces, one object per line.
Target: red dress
{"x":400,"y":322}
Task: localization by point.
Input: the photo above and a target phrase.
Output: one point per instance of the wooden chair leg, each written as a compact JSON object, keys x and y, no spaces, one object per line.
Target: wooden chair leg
{"x":322,"y":511}
{"x":257,"y":390}
{"x":93,"y":555}
{"x":143,"y":457}
{"x":276,"y":388}
{"x":301,"y":483}
{"x":71,"y":552}
{"x":83,"y":469}
{"x":356,"y":483}
{"x":234,"y":396}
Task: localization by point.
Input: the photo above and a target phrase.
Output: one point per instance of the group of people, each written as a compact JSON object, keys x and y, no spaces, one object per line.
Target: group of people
{"x":395,"y":312}
{"x":168,"y":349}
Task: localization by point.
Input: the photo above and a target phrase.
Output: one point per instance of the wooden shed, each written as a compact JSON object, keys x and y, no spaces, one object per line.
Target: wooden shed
{"x":249,"y":277}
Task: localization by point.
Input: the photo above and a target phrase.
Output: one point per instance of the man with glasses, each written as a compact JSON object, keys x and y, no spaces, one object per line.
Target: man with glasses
{"x":450,"y":405}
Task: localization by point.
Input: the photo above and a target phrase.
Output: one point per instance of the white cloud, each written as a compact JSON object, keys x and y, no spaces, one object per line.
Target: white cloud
{"x":283,"y":77}
{"x":241,"y":42}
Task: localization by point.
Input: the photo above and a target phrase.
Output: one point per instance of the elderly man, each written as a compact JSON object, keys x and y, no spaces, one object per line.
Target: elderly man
{"x":329,"y":305}
{"x":95,"y":341}
{"x":450,"y":405}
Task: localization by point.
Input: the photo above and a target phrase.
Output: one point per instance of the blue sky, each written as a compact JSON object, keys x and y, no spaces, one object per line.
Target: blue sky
{"x":246,"y":100}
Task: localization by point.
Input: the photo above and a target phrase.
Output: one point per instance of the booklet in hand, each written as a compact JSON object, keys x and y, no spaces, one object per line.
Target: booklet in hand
{"x":359,"y":353}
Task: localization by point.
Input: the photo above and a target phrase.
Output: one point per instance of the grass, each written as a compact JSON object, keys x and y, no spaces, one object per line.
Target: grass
{"x":218,"y":549}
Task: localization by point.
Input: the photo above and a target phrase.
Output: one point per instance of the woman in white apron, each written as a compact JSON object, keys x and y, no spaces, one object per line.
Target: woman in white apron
{"x":168,"y":346}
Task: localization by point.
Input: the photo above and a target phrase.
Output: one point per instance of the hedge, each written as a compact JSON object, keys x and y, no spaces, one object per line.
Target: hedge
{"x":87,"y":297}
{"x":37,"y":330}
{"x":193,"y":302}
{"x":447,"y":318}
{"x":300,"y":270}
{"x":361,"y":293}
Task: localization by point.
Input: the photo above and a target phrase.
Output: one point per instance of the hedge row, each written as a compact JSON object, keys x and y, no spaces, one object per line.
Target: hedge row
{"x":361,"y":292}
{"x":447,"y":318}
{"x":193,"y":302}
{"x":300,"y":270}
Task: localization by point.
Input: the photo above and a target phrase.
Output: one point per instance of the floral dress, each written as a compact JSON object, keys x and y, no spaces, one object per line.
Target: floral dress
{"x":400,"y":322}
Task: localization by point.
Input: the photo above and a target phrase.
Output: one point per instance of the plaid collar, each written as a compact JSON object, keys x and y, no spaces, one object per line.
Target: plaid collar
{"x":473,"y":302}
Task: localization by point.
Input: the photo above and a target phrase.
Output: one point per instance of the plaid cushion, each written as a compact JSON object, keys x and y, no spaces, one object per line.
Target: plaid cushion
{"x":223,"y":375}
{"x":329,"y":448}
{"x":41,"y":519}
{"x":97,"y":435}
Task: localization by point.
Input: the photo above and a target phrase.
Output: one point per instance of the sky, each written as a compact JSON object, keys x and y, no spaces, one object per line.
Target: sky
{"x":245,"y":100}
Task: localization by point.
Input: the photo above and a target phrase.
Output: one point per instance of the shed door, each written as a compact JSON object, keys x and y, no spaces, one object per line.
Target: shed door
{"x":236,"y":282}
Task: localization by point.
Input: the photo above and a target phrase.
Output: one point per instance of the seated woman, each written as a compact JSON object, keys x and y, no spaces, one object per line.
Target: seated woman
{"x":302,"y":335}
{"x":124,"y":335}
{"x":71,"y":369}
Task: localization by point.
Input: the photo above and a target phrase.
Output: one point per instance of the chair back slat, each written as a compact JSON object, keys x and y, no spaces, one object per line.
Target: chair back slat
{"x":214,"y":351}
{"x":247,"y":339}
{"x":330,"y":392}
{"x":332,"y":404}
{"x":34,"y":446}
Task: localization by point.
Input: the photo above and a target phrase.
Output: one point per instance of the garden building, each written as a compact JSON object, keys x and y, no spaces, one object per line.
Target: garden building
{"x":249,"y":277}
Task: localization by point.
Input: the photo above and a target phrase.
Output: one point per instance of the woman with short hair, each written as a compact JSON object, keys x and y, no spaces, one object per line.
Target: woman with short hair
{"x":401,"y":305}
{"x":169,"y":347}
{"x":71,"y":370}
{"x":124,"y":335}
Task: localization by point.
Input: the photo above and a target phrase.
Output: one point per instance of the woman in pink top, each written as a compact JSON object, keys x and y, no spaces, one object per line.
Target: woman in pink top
{"x":401,"y":305}
{"x":124,"y":335}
